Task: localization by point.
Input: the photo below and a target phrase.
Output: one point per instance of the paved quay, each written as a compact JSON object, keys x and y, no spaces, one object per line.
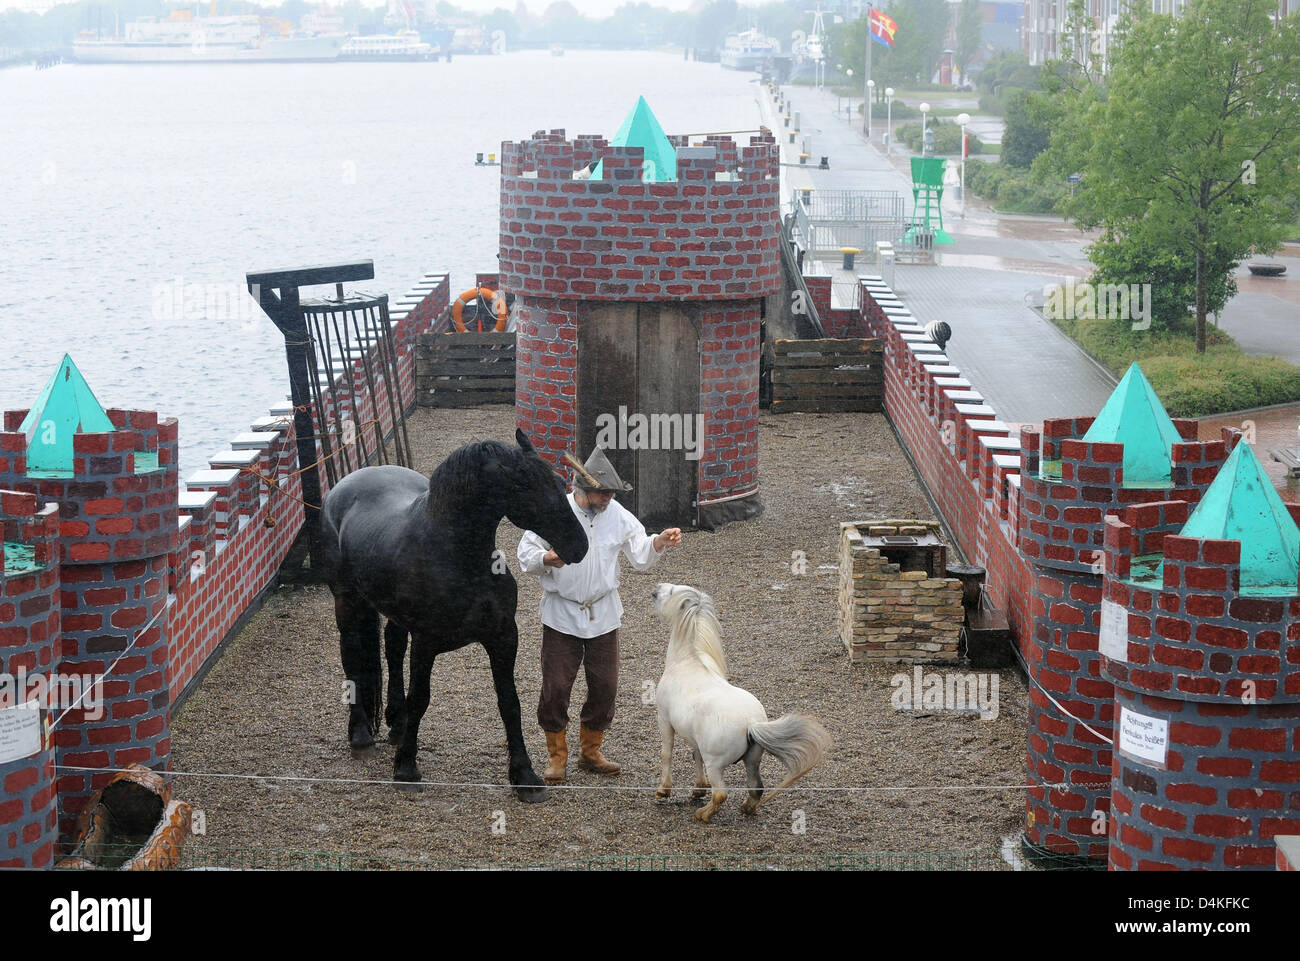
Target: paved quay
{"x":982,"y":285}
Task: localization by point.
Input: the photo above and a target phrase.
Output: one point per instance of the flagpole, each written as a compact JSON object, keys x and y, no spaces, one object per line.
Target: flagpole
{"x":867,"y":80}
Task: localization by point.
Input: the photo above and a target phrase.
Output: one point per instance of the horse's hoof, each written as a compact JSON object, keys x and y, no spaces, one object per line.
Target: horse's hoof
{"x":749,"y":808}
{"x":663,"y":794}
{"x":703,"y":815}
{"x":366,"y":750}
{"x":395,"y":735}
{"x":410,"y":787}
{"x":409,"y":775}
{"x":531,"y":795}
{"x":699,"y":794}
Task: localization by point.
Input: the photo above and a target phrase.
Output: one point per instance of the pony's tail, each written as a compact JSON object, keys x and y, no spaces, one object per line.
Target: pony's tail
{"x":798,"y":742}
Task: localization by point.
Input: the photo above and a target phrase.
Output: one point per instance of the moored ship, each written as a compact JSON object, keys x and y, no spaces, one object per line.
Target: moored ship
{"x":403,"y":45}
{"x":230,"y":39}
{"x":748,"y":50}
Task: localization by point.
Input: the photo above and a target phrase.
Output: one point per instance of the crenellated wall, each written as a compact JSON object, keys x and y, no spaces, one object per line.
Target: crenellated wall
{"x":1208,"y":676}
{"x":126,"y":578}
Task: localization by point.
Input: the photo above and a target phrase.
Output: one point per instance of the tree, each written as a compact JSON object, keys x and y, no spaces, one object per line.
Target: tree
{"x":969,"y":22}
{"x":1031,"y":115}
{"x":1191,"y":144}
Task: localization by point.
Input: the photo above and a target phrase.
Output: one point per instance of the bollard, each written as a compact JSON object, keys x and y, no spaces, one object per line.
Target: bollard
{"x":792,"y":135}
{"x":787,"y":121}
{"x":826,"y":163}
{"x":478,"y":158}
{"x":849,"y":253}
{"x":803,"y":160}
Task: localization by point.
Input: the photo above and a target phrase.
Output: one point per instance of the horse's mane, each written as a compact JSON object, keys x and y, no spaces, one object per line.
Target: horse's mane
{"x":460,"y":476}
{"x":696,"y":630}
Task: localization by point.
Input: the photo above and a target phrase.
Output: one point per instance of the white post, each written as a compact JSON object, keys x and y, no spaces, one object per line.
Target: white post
{"x":867,"y":85}
{"x":889,"y":119}
{"x":962,"y":120}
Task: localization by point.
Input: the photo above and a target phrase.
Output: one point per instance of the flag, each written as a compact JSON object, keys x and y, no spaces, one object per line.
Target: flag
{"x":882,"y":28}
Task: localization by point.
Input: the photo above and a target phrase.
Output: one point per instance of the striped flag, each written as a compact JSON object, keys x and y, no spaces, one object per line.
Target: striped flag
{"x":882,"y":28}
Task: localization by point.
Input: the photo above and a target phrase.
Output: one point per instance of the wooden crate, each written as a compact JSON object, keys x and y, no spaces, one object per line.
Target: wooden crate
{"x":828,"y":375}
{"x":465,"y":370}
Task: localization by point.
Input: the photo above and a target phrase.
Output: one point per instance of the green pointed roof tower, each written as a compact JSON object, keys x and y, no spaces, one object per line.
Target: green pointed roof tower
{"x":1242,"y":505}
{"x":65,"y":407}
{"x":641,"y":129}
{"x":1133,"y":416}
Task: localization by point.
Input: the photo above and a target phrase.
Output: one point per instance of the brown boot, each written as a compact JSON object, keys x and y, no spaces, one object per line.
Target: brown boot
{"x":559,"y":752}
{"x":592,"y":760}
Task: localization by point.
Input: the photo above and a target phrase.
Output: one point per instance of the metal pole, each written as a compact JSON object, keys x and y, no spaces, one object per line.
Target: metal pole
{"x":866,"y":81}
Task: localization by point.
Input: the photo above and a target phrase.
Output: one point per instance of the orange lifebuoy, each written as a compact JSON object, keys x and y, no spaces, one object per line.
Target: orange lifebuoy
{"x":498,"y":302}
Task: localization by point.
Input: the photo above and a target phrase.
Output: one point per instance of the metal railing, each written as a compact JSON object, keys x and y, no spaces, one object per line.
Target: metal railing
{"x":831,"y":219}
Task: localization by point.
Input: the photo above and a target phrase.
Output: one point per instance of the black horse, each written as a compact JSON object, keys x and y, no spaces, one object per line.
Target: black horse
{"x":422,"y":553}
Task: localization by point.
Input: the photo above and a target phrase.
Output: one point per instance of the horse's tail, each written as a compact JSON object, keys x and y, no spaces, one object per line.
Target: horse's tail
{"x":798,"y":742}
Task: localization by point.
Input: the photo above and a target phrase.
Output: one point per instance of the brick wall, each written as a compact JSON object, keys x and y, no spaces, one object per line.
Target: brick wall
{"x":1221,"y":670}
{"x":707,"y":243}
{"x":146,"y":581}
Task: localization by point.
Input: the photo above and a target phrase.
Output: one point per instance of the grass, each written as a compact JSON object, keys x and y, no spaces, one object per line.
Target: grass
{"x":1223,"y":379}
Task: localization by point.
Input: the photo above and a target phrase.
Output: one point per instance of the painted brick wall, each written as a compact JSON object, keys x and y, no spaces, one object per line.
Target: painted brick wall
{"x":1221,"y":669}
{"x":141,"y":590}
{"x":29,"y":643}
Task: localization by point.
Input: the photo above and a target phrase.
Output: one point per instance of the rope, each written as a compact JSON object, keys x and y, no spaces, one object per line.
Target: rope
{"x":273,"y":483}
{"x":579,"y":787}
{"x":108,"y":670}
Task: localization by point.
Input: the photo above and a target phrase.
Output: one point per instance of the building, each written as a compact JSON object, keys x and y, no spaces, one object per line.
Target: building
{"x":1044,"y":23}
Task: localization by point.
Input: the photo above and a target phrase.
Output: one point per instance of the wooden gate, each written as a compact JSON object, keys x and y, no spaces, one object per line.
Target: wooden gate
{"x":639,"y":394}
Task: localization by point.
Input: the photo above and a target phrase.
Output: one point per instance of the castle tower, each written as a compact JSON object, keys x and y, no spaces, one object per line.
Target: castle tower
{"x":640,"y":304}
{"x":113,"y":475}
{"x":1086,"y":469}
{"x":1201,"y":638}
{"x":29,"y":659}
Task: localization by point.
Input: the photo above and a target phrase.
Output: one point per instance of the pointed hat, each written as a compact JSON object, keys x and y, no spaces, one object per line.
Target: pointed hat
{"x":602,"y":471}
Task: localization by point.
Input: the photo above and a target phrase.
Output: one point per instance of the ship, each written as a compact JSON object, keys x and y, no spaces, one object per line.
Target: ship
{"x":403,"y":45}
{"x":748,"y":50}
{"x":231,"y":39}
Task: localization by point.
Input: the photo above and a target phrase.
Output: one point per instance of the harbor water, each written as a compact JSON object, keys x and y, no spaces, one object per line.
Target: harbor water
{"x":135,"y":199}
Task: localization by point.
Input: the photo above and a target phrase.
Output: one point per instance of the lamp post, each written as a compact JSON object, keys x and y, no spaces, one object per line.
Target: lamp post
{"x":889,"y":119}
{"x":871,"y":96}
{"x":849,"y":108}
{"x":925,"y":115}
{"x":962,"y":120}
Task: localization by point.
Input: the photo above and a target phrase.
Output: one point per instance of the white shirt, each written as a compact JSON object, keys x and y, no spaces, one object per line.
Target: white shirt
{"x":594,"y":579}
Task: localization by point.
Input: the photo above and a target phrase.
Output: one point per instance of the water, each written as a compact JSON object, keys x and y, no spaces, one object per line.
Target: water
{"x":135,"y":198}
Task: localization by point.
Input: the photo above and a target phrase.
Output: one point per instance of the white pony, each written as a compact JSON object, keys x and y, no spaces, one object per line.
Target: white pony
{"x":722,"y":724}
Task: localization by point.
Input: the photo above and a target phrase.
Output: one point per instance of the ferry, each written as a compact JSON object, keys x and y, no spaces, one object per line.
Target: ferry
{"x":233,"y":39}
{"x":403,"y":45}
{"x":748,"y":50}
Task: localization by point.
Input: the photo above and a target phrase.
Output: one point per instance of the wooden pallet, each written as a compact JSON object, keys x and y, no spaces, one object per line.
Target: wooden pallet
{"x":828,"y":375}
{"x":465,"y":370}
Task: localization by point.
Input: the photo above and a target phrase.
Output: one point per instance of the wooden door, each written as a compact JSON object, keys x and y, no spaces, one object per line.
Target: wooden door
{"x":642,"y":363}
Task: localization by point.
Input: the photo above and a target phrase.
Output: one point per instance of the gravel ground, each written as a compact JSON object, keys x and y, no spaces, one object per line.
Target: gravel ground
{"x":271,"y":706}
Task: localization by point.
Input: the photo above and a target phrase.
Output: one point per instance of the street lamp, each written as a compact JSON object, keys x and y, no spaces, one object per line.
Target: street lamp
{"x":962,"y":120}
{"x":889,"y":119}
{"x":871,"y":90}
{"x":849,"y":108}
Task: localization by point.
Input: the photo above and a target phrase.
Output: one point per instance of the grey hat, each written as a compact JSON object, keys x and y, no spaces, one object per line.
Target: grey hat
{"x":602,"y":471}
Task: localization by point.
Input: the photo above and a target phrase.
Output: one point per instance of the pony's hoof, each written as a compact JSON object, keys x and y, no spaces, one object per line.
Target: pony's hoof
{"x":749,"y":808}
{"x":703,"y":815}
{"x":530,"y":794}
{"x":699,"y":794}
{"x":663,"y":794}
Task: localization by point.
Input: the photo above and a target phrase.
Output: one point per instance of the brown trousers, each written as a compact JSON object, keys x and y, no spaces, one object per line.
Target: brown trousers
{"x":561,"y":656}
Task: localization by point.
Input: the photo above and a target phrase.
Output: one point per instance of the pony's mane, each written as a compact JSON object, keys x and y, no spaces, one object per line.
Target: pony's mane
{"x":696,"y":631}
{"x":461,"y":474}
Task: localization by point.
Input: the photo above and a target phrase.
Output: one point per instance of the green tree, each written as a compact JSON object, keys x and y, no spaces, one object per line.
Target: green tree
{"x":969,"y":22}
{"x":1031,"y":115}
{"x":1191,"y":145}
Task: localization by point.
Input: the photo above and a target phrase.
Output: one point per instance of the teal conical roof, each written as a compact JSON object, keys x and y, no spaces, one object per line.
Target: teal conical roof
{"x":1134,"y":417}
{"x":65,"y":407}
{"x":1242,"y":505}
{"x":641,"y":129}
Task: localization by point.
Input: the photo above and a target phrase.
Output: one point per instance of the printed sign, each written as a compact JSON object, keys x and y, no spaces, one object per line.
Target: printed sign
{"x":20,"y":732}
{"x":1143,"y":738}
{"x":1112,"y":641}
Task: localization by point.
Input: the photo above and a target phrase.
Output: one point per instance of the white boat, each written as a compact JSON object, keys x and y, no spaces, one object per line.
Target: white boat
{"x":403,"y":45}
{"x":234,"y":39}
{"x":748,"y":50}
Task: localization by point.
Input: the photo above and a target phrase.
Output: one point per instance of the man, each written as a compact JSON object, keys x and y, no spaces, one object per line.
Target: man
{"x":582,"y":612}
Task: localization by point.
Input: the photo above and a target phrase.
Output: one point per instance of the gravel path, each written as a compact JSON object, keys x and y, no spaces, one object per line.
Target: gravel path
{"x":272,"y":703}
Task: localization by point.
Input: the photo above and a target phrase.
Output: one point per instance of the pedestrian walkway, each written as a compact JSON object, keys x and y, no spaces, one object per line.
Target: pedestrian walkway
{"x":982,"y":284}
